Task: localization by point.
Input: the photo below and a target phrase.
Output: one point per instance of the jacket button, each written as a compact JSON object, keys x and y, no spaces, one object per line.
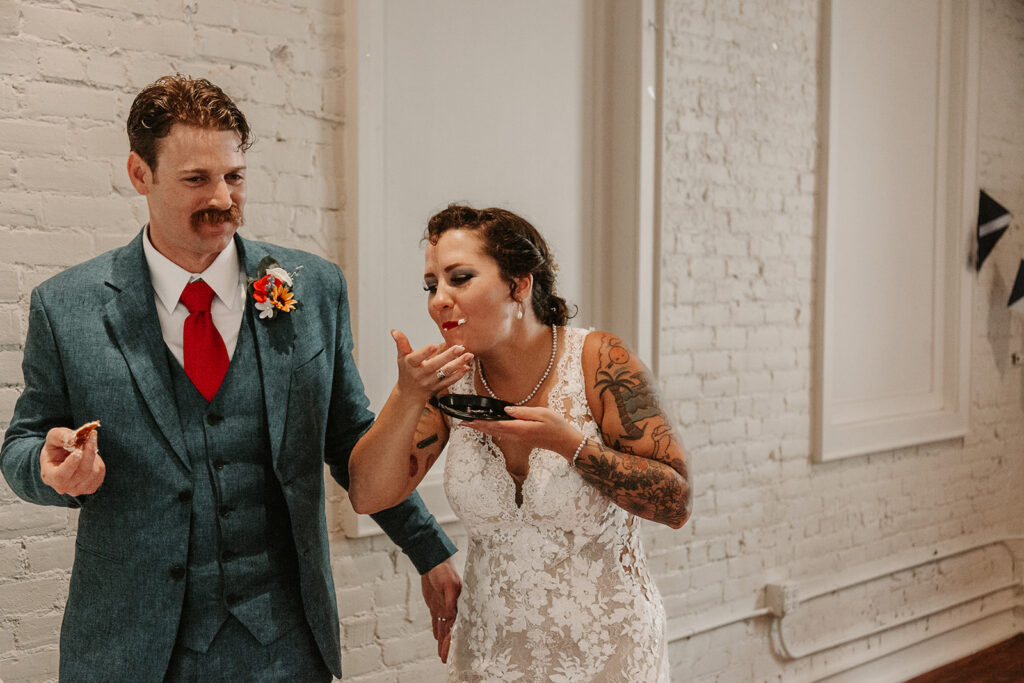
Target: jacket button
{"x":214,"y":419}
{"x":185,"y":496}
{"x":225,"y":511}
{"x":233,"y":599}
{"x":228,"y":555}
{"x":177,"y":572}
{"x":218,"y":464}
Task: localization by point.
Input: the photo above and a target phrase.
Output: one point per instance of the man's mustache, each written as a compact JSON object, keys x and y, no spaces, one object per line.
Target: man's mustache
{"x":232,"y":215}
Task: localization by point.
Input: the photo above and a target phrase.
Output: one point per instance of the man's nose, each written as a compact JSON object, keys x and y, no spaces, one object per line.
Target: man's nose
{"x":221,"y":198}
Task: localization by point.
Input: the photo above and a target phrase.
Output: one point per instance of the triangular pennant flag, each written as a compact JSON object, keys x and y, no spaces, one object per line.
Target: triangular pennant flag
{"x":1016,"y":302}
{"x":993,"y":220}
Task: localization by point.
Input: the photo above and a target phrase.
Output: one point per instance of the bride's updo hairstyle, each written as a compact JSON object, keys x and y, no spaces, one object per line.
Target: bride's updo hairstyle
{"x":518,"y":249}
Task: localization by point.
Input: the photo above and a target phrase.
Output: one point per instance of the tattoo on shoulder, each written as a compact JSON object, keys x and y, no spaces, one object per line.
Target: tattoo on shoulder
{"x":613,"y":352}
{"x":630,"y":388}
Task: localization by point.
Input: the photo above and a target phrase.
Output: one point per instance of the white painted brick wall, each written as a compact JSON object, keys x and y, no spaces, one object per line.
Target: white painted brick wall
{"x":740,"y":152}
{"x":740,"y":108}
{"x":68,"y":74}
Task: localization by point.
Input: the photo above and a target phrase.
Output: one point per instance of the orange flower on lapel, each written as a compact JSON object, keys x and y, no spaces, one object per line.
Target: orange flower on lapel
{"x":272,"y":290}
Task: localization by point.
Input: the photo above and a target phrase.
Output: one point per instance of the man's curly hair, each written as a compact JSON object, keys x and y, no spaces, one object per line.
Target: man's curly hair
{"x":181,"y":99}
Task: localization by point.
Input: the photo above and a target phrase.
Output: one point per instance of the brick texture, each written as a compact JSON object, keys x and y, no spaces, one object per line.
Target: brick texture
{"x":64,"y":197}
{"x":739,"y":175}
{"x":740,"y":112}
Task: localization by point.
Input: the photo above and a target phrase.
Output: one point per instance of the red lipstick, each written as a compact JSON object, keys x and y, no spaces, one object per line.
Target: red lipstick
{"x":452,"y":324}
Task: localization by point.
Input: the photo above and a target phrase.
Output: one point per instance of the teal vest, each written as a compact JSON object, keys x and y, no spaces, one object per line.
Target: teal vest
{"x":241,"y":558}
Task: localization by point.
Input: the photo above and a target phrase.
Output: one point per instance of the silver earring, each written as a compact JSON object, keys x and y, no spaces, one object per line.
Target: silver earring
{"x":519,"y":313}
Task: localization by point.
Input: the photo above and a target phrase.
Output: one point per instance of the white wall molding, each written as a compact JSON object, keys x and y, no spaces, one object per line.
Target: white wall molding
{"x":900,"y":191}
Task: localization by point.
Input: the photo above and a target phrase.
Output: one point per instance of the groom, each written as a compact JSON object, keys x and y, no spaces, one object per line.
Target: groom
{"x":221,"y":372}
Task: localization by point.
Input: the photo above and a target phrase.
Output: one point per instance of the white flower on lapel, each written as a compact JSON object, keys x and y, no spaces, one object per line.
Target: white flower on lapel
{"x":281,"y":274}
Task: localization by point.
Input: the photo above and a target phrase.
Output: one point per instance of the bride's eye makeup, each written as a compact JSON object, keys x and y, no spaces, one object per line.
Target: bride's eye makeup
{"x":461,"y":277}
{"x":456,"y":278}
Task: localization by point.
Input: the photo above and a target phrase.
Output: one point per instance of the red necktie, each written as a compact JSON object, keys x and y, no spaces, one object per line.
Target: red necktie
{"x":206,"y":357}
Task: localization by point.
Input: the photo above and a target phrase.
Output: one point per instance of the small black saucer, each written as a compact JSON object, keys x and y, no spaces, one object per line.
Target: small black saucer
{"x":471,"y":407}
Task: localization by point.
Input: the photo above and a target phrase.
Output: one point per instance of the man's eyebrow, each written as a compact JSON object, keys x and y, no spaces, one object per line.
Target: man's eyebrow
{"x":204,"y":171}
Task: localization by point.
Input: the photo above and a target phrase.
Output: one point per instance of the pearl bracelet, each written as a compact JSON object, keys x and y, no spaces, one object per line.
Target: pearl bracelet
{"x":576,"y":453}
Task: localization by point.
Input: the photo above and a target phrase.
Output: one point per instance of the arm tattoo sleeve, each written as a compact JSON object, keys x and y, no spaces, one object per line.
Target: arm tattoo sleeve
{"x":645,"y":487}
{"x":644,"y":470}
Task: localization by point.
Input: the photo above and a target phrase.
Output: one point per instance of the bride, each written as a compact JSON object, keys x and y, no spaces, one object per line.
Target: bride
{"x":556,"y":585}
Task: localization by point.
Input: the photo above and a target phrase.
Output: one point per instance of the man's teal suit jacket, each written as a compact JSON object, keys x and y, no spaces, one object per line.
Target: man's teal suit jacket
{"x":95,"y":351}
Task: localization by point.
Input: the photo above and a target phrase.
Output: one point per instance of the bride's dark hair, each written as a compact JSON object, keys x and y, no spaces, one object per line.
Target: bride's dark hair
{"x":516,"y":246}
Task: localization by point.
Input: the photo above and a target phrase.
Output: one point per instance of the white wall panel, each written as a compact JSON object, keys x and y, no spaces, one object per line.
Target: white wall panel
{"x":893,"y":302}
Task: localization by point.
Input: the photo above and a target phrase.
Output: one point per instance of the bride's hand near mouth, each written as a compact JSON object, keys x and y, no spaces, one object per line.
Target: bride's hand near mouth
{"x":383,"y":468}
{"x":429,"y":369}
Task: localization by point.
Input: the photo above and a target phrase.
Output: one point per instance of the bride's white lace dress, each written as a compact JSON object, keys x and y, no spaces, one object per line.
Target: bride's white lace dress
{"x":557,"y":589}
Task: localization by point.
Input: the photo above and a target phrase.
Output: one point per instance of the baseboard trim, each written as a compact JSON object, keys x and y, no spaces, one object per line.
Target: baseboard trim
{"x":927,"y":655}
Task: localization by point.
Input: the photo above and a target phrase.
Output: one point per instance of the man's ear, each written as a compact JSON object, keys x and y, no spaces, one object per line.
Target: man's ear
{"x":139,"y":173}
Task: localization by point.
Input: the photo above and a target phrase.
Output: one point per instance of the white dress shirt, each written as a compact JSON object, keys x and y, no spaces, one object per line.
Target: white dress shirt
{"x":225,"y":276}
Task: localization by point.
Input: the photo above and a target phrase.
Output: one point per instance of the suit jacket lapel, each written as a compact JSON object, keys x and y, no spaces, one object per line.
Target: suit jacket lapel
{"x":275,"y":341}
{"x":131,"y":318}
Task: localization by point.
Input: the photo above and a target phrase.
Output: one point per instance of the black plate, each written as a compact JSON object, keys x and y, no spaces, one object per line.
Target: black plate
{"x":471,"y":407}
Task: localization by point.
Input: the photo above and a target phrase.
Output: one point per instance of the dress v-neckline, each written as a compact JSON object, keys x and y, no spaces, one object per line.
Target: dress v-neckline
{"x":518,"y":484}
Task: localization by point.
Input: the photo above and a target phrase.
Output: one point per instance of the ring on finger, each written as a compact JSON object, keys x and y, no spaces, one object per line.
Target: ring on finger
{"x":441,"y":374}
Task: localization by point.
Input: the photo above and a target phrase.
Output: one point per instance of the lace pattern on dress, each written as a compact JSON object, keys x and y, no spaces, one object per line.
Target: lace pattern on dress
{"x":555,"y":589}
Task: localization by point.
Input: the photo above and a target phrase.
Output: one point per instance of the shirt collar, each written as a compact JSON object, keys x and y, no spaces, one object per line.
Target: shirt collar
{"x":169,"y":279}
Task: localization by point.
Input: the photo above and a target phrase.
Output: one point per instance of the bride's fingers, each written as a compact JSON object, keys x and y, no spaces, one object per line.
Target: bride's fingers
{"x":450,"y":371}
{"x":448,"y":355}
{"x":401,"y":343}
{"x":529,"y":413}
{"x":422,"y":355}
{"x":406,"y":353}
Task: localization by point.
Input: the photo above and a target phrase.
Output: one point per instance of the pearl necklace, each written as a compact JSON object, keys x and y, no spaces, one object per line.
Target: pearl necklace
{"x":547,"y":371}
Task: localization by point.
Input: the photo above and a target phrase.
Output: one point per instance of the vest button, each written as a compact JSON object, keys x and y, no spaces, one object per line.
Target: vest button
{"x":225,"y":511}
{"x":228,"y":555}
{"x":214,"y":419}
{"x":177,"y":572}
{"x":218,"y":464}
{"x":233,"y":599}
{"x":185,"y":496}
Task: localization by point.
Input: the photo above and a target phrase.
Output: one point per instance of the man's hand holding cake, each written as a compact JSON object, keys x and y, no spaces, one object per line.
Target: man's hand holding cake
{"x":70,"y":462}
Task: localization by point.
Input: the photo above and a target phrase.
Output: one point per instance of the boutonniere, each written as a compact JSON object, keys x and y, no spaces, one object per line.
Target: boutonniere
{"x":272,"y":289}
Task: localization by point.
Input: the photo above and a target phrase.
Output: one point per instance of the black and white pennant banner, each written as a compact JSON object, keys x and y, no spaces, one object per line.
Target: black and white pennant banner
{"x":993,"y":220}
{"x":1016,"y":302}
